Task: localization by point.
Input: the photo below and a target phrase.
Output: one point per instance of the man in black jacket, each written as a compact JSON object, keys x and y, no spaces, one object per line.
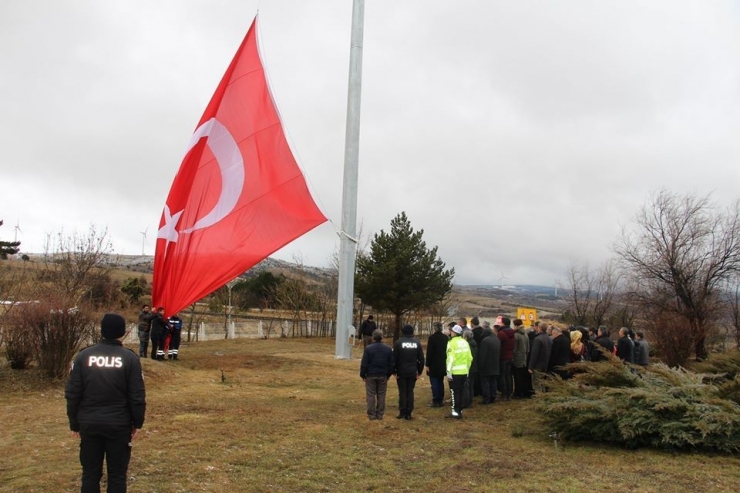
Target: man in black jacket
{"x":560,"y":353}
{"x":539,"y":356}
{"x":145,"y":320}
{"x":625,"y":346}
{"x":158,"y":333}
{"x":409,"y":358}
{"x":375,"y":368}
{"x":489,"y":356}
{"x":604,"y":341}
{"x":106,"y":403}
{"x":477,"y":336}
{"x":436,"y":364}
{"x":366,"y":330}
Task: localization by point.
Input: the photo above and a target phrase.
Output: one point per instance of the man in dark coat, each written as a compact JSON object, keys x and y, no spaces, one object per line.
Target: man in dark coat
{"x":642,"y":350}
{"x":522,"y":382}
{"x":559,"y":354}
{"x":106,"y":403}
{"x":604,"y":341}
{"x":625,"y":346}
{"x":366,"y":330}
{"x":375,"y":368}
{"x":533,"y":332}
{"x":145,"y":320}
{"x":158,"y":334}
{"x":436,"y":364}
{"x":539,"y":357}
{"x":468,"y":391}
{"x":477,"y":336}
{"x":489,"y":358}
{"x":409,"y":364}
{"x":507,"y":336}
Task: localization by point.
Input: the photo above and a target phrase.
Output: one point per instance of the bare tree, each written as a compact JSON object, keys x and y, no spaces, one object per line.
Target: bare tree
{"x":580,"y":292}
{"x":625,"y":310}
{"x":297,"y":294}
{"x":682,"y":250}
{"x":732,"y":296}
{"x":76,"y":262}
{"x":605,"y":284}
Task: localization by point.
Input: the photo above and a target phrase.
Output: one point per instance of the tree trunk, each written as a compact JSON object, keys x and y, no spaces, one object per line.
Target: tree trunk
{"x":397,"y":328}
{"x":700,"y":347}
{"x":699,"y":331}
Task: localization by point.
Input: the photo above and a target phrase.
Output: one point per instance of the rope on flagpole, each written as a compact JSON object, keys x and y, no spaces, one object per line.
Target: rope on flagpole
{"x":341,"y":233}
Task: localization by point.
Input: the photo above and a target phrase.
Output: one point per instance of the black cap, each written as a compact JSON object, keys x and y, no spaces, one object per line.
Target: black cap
{"x":408,"y":330}
{"x":113,"y":326}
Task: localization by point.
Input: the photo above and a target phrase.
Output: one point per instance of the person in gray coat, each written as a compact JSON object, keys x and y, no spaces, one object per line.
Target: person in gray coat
{"x":522,"y":382}
{"x":642,"y":350}
{"x":539,"y":357}
{"x":489,"y":356}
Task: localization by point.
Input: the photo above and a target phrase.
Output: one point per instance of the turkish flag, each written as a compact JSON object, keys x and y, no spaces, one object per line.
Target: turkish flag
{"x":239,"y":194}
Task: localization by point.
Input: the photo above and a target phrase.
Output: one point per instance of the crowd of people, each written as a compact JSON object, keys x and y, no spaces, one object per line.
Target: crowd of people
{"x":503,"y":362}
{"x":164,"y":334}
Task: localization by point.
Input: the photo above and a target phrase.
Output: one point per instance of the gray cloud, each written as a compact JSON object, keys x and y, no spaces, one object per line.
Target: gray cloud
{"x":518,"y":135}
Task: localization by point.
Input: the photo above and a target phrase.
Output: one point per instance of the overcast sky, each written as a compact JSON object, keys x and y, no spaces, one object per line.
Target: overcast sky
{"x":519,"y":135}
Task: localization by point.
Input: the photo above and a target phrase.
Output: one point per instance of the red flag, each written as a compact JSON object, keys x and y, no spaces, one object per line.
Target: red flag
{"x":239,"y":194}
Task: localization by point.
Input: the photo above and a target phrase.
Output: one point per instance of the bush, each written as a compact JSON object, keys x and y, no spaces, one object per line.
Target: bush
{"x":723,"y":370}
{"x":727,"y":365}
{"x":674,"y":339}
{"x":56,"y":333}
{"x":18,"y":345}
{"x":658,"y":407}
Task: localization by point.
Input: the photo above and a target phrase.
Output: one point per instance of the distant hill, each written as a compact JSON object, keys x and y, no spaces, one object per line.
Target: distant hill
{"x":483,"y":300}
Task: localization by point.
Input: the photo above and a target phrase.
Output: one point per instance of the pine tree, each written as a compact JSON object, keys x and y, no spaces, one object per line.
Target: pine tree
{"x":401,"y":274}
{"x":8,"y":247}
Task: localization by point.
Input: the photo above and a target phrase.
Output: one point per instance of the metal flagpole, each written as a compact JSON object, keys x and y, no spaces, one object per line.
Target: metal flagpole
{"x":348,"y":240}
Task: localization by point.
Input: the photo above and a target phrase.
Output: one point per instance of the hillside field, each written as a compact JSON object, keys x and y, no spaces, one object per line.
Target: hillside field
{"x":290,"y":417}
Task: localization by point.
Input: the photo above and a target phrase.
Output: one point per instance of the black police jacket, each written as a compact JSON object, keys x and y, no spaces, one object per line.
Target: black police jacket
{"x":409,"y":357}
{"x":106,"y":387}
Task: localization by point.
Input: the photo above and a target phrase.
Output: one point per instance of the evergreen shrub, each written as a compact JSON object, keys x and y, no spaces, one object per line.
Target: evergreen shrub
{"x":656,"y":406}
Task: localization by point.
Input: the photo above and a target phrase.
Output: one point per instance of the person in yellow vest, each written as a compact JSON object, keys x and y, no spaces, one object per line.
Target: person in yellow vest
{"x":459,"y":360}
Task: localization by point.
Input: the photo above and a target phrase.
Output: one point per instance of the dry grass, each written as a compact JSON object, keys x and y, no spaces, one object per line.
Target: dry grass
{"x":289,"y":417}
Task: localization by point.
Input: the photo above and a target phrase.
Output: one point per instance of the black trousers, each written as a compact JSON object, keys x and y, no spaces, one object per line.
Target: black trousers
{"x":522,"y":382}
{"x":113,"y":444}
{"x":174,"y":344}
{"x":505,"y":381}
{"x":490,"y":388}
{"x":158,"y":344}
{"x":477,"y":385}
{"x":406,"y":394}
{"x":457,"y":388}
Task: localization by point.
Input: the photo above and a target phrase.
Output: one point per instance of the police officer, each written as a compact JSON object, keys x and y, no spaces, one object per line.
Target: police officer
{"x":106,"y":405}
{"x":409,"y":363}
{"x":459,"y":360}
{"x":175,"y":332}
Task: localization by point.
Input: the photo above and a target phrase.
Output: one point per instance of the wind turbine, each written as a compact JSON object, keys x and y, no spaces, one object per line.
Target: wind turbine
{"x":16,"y":229}
{"x":501,"y":279}
{"x":143,"y":240}
{"x":556,"y":286}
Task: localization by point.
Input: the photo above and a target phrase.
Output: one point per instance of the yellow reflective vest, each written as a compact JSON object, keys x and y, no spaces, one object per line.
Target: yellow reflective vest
{"x":459,"y":357}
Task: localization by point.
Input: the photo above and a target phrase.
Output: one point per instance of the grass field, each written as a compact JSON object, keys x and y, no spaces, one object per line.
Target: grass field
{"x":289,"y":417}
